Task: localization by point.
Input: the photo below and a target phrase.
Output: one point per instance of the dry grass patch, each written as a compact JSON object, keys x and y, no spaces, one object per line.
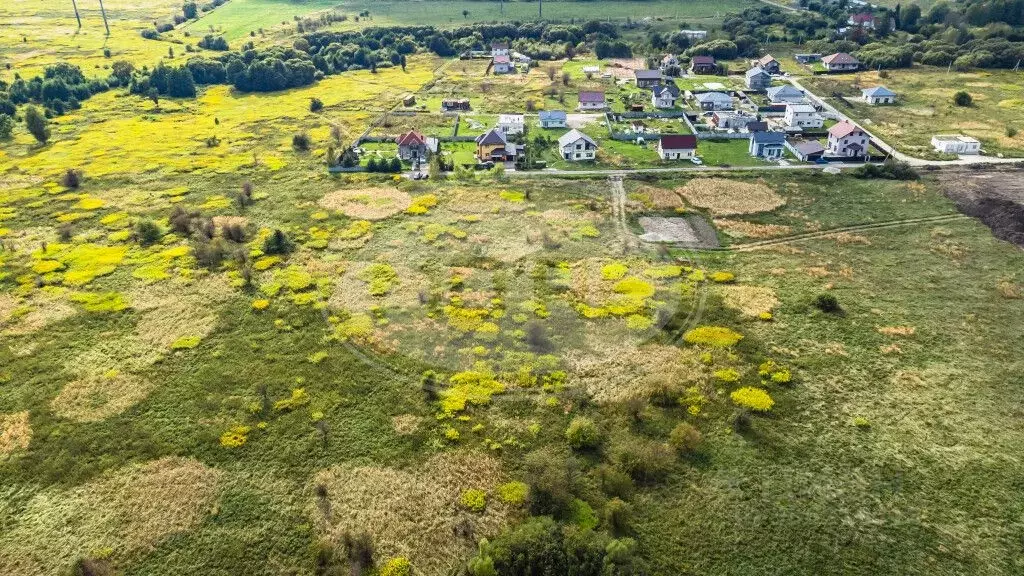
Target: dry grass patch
{"x":412,"y":513}
{"x":896,"y":330}
{"x":749,"y":300}
{"x":1009,"y":290}
{"x":15,"y":433}
{"x":367,"y":203}
{"x":95,"y":397}
{"x":172,"y":310}
{"x":744,"y":229}
{"x":725,"y":197}
{"x":848,"y":238}
{"x":658,"y":198}
{"x":130,"y":509}
{"x":405,"y":424}
{"x":352,"y":292}
{"x":616,"y":369}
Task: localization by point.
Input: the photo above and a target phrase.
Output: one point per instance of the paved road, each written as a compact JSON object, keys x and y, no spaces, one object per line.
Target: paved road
{"x":691,"y":168}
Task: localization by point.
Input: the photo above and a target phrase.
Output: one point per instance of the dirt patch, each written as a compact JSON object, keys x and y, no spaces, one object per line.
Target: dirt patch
{"x":744,"y":229}
{"x":405,"y":424}
{"x":749,"y":300}
{"x":658,"y":198}
{"x":126,"y":510}
{"x":15,"y":433}
{"x":614,"y":370}
{"x":690,"y":231}
{"x":725,"y":197}
{"x":995,"y":198}
{"x":367,"y":203}
{"x":412,"y":513}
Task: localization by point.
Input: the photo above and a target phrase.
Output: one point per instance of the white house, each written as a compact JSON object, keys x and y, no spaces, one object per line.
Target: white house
{"x":503,"y":65}
{"x":785,"y":94}
{"x":714,"y":101}
{"x":847,"y":140}
{"x":499,"y":49}
{"x":592,"y":101}
{"x":694,"y":34}
{"x":664,"y":96}
{"x":511,"y":124}
{"x":677,"y":146}
{"x":768,"y":145}
{"x":732,"y":120}
{"x":576,"y":146}
{"x":840,"y":62}
{"x":956,"y":144}
{"x":803,"y":116}
{"x":878,"y":95}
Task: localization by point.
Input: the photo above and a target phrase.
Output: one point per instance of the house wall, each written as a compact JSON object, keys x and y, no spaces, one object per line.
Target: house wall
{"x":675,"y":154}
{"x":592,"y":106}
{"x":578,"y":151}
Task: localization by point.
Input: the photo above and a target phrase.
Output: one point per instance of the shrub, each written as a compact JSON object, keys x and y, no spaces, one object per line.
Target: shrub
{"x":963,"y":98}
{"x":316,"y":105}
{"x":211,"y":42}
{"x":614,"y":482}
{"x":71,"y":179}
{"x":397,"y":567}
{"x":36,"y":124}
{"x":474,"y":500}
{"x":234,"y":233}
{"x":644,"y":460}
{"x":827,"y":303}
{"x":513,"y":492}
{"x":684,"y":438}
{"x":1010,"y":132}
{"x":617,"y":515}
{"x":209,"y":254}
{"x":715,"y":336}
{"x":751,"y":398}
{"x":549,"y":474}
{"x":92,"y":567}
{"x":277,"y":243}
{"x":6,"y":126}
{"x":301,"y":141}
{"x":891,"y":169}
{"x":582,"y":433}
{"x":147,"y":232}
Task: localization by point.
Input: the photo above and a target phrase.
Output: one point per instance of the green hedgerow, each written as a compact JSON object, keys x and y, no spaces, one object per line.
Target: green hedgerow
{"x":474,"y":500}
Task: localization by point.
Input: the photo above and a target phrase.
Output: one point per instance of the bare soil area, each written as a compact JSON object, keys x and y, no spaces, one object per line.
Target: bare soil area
{"x":995,"y":198}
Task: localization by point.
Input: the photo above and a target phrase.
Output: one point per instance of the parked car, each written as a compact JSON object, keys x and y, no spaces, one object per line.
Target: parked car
{"x":697,"y":161}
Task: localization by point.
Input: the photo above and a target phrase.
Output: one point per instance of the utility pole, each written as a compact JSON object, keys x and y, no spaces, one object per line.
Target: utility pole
{"x":77,"y":17}
{"x":104,"y":12}
{"x":502,"y":7}
{"x":540,"y":9}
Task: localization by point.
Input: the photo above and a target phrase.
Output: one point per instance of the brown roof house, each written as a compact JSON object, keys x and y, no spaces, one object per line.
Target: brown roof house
{"x":769,"y":64}
{"x":840,"y":62}
{"x":647,"y":78}
{"x":412,"y":146}
{"x":703,"y":65}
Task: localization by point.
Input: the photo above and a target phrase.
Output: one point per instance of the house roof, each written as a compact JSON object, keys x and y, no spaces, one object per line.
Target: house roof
{"x":840,"y":58}
{"x":661,"y":89}
{"x":556,"y":115}
{"x":678,"y":142}
{"x":702,"y":60}
{"x":573,"y":136}
{"x":766,"y":60}
{"x":769,"y":137}
{"x":862,"y":18}
{"x":412,"y":138}
{"x":801,"y":108}
{"x":502,"y":59}
{"x":843,"y":129}
{"x":712,"y":97}
{"x":878,"y":91}
{"x":806,"y":147}
{"x":647,"y":74}
{"x":490,"y":137}
{"x":757,"y":126}
{"x":785,"y":91}
{"x":499,"y":45}
{"x":591,"y":96}
{"x":757,"y":71}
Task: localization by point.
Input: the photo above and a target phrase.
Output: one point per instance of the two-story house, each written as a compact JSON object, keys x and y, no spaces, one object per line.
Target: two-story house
{"x":576,"y":146}
{"x":664,"y":95}
{"x":847,"y":140}
{"x":758,"y":79}
{"x":803,"y":116}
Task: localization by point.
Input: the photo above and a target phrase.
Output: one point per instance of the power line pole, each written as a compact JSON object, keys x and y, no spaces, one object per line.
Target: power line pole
{"x":104,"y":12}
{"x":77,"y":17}
{"x":540,"y":9}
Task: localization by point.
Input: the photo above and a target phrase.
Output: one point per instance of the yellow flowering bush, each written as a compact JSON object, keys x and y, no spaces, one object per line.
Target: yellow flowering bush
{"x":235,"y":436}
{"x":727,"y":375}
{"x":474,"y":500}
{"x":513,"y":492}
{"x":397,"y":567}
{"x":422,"y":204}
{"x":752,"y":398}
{"x":614,"y":271}
{"x":715,"y":336}
{"x":260,"y":304}
{"x":723,"y":277}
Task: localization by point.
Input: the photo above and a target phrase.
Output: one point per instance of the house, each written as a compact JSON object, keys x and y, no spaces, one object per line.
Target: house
{"x":647,"y":78}
{"x":767,"y":144}
{"x":847,"y":140}
{"x":409,"y":100}
{"x":552,"y":118}
{"x":703,"y":65}
{"x":757,"y":126}
{"x":511,"y":124}
{"x":864,"y":21}
{"x":785,"y":94}
{"x":806,"y":150}
{"x":956,"y":144}
{"x":412,"y":146}
{"x":670,"y":65}
{"x":503,"y":65}
{"x":455,"y":105}
{"x":499,"y":49}
{"x":694,"y":34}
{"x":731,"y":120}
{"x":677,"y":146}
{"x":591,"y":70}
{"x":664,"y":96}
{"x":803,"y":116}
{"x":577,"y":146}
{"x":878,"y":95}
{"x":840,"y":62}
{"x":492,"y":146}
{"x":769,"y":64}
{"x":758,"y":79}
{"x":714,"y":101}
{"x":807,"y":58}
{"x":592,"y":101}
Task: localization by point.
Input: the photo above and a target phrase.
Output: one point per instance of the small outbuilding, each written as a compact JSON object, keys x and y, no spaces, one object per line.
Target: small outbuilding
{"x":878,"y":95}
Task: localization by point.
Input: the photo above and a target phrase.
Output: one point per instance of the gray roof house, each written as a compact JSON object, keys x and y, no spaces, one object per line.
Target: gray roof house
{"x":552,"y":118}
{"x":785,"y":94}
{"x":806,"y":150}
{"x":878,"y":95}
{"x":576,"y":146}
{"x":647,"y":78}
{"x":758,"y":79}
{"x":714,"y":101}
{"x":767,"y":144}
{"x":664,"y":96}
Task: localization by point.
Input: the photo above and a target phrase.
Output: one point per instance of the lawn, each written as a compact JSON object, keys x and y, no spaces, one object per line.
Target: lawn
{"x":926,"y":106}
